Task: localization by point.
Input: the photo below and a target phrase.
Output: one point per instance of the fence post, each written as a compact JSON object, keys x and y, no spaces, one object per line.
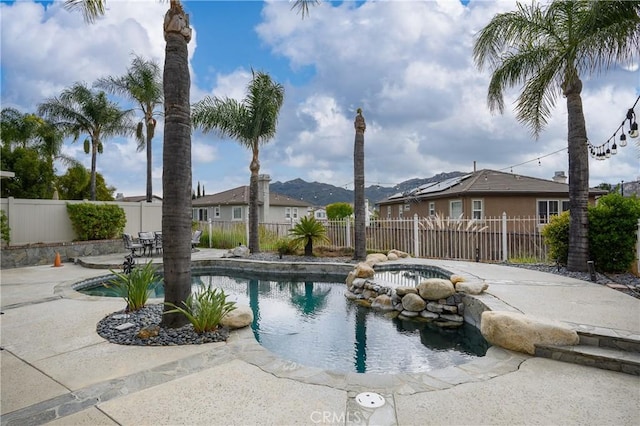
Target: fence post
{"x":505,"y":249}
{"x":10,"y":207}
{"x":416,"y":243}
{"x":210,"y":231}
{"x":348,"y":228}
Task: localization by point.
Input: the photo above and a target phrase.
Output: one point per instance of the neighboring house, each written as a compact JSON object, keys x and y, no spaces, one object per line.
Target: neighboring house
{"x":485,"y":193}
{"x":320,"y":214}
{"x":233,"y":204}
{"x":137,"y":198}
{"x":629,"y":189}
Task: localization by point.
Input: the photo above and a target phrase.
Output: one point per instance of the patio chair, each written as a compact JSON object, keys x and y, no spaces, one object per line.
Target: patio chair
{"x":158,"y":242}
{"x":129,"y":244}
{"x":195,"y":239}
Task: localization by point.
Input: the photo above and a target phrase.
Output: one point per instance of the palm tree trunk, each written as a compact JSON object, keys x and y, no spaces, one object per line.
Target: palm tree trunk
{"x":358,"y":179}
{"x":149,"y":136}
{"x":94,"y":158}
{"x":579,"y":179}
{"x":254,"y":240}
{"x":176,"y":178}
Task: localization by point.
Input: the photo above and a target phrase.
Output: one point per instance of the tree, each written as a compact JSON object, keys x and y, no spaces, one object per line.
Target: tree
{"x":75,"y":184}
{"x":142,"y":83}
{"x":308,"y":231}
{"x":33,"y":173}
{"x":547,"y":48}
{"x":338,"y":211}
{"x":176,"y":164}
{"x":360,"y":230}
{"x":34,"y":132}
{"x":252,"y":122}
{"x":79,"y":110}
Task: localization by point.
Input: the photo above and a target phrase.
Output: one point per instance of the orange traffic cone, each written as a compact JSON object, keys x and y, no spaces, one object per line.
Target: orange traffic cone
{"x":57,"y":262}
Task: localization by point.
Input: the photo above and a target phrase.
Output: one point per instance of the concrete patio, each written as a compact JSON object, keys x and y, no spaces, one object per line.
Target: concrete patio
{"x":57,"y":370}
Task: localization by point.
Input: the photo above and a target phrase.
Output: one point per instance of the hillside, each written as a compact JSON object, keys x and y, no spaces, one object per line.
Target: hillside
{"x":321,"y":194}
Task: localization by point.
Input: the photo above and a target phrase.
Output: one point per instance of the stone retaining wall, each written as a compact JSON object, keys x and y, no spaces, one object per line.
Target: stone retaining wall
{"x":44,"y":254}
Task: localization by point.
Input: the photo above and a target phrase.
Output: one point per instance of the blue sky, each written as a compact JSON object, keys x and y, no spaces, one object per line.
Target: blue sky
{"x":407,"y":64}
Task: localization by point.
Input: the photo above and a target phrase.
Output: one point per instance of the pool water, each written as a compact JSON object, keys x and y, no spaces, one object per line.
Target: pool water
{"x":312,"y":323}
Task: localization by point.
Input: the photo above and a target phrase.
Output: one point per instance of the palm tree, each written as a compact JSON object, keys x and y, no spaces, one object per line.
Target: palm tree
{"x":308,"y":231}
{"x":360,"y":230}
{"x":176,"y":164}
{"x":143,"y":84}
{"x":252,"y":122}
{"x":547,"y":49}
{"x":79,"y":110}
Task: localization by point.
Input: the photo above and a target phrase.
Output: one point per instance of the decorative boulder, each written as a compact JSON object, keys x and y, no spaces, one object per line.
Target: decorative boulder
{"x":413,"y":302}
{"x":240,"y":317}
{"x":398,"y":253}
{"x":382,"y":302}
{"x":520,"y":333}
{"x":455,"y":279}
{"x":401,"y":291}
{"x":363,"y":270}
{"x":475,"y":287}
{"x":435,"y":289}
{"x":374,"y":258}
{"x":392,"y":256}
{"x":240,"y":251}
{"x":350,"y":277}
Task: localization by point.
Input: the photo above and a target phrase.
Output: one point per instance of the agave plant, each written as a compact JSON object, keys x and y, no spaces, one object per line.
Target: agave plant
{"x":308,"y":231}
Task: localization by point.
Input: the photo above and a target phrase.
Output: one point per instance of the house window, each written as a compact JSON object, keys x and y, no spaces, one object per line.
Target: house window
{"x":294,"y":212}
{"x":216,"y":211}
{"x":287,"y":213}
{"x":202,"y":215}
{"x":548,"y":208}
{"x":388,"y":212}
{"x":321,"y":214}
{"x":432,"y":208}
{"x":455,"y":209}
{"x":237,"y":213}
{"x":477,"y":209}
{"x":407,"y":207}
{"x":400,"y":211}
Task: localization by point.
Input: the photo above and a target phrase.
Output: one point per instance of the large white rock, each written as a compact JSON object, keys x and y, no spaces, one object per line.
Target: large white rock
{"x":471,"y":287}
{"x":362,"y":270}
{"x":240,"y":317}
{"x":399,"y":253}
{"x":392,"y":256}
{"x":413,"y":302}
{"x":435,"y":289}
{"x":382,"y":302}
{"x":240,"y":251}
{"x":374,"y":258}
{"x":520,"y":333}
{"x":401,"y":291}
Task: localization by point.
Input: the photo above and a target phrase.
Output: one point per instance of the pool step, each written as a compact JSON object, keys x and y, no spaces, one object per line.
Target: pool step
{"x":607,"y":352}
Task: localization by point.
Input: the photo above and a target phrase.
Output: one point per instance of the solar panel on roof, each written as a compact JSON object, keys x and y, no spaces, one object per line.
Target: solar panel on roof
{"x":441,"y":186}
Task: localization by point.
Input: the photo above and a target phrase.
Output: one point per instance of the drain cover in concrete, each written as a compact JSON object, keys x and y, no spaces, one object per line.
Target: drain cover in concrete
{"x":370,"y":399}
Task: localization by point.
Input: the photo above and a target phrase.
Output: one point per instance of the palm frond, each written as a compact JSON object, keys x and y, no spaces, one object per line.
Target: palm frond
{"x":302,"y":6}
{"x":91,"y":9}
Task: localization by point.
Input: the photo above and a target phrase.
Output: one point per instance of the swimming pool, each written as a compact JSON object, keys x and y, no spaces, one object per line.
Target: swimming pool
{"x":312,"y":323}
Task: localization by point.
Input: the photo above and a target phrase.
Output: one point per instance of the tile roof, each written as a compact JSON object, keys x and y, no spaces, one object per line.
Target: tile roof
{"x":487,"y":182}
{"x":240,"y":196}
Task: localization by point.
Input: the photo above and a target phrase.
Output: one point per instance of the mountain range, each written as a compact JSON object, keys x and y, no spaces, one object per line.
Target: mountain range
{"x":321,"y":194}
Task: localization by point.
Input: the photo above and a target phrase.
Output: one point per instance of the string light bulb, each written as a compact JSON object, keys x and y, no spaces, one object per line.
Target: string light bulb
{"x":623,"y":139}
{"x":633,"y":132}
{"x":614,"y":148}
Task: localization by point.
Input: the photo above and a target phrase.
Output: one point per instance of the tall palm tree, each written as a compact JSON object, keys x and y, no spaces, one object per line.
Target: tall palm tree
{"x":252,"y":122}
{"x":80,"y":111}
{"x":142,"y":83}
{"x":360,"y":229}
{"x":546,"y":49}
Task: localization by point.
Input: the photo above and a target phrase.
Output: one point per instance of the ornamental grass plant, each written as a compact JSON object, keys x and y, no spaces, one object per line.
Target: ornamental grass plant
{"x":204,"y":308}
{"x":136,"y":287}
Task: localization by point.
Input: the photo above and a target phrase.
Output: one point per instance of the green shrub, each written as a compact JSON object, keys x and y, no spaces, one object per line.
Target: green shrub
{"x":5,"y":231}
{"x":612,"y":232}
{"x":339,"y":210}
{"x":96,"y":221}
{"x":204,"y":309}
{"x":556,"y":236}
{"x":136,"y":287}
{"x":285,"y":246}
